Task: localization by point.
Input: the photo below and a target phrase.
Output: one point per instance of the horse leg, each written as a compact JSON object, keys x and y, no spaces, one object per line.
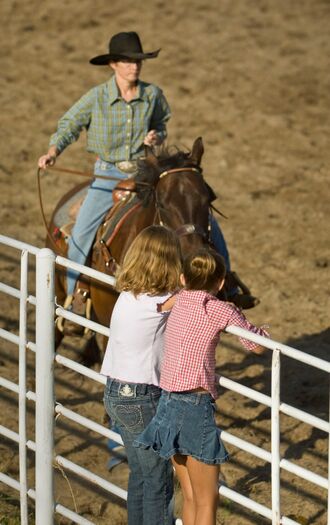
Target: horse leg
{"x":58,"y":337}
{"x":91,"y":353}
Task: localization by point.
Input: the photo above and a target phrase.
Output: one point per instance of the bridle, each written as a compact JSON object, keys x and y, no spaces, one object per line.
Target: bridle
{"x":185,"y":229}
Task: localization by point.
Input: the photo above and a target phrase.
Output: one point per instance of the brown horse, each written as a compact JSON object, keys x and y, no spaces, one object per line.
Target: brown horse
{"x":171,"y":190}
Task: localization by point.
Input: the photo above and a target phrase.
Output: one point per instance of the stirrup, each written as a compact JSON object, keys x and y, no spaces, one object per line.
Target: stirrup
{"x":69,"y":327}
{"x":59,"y":323}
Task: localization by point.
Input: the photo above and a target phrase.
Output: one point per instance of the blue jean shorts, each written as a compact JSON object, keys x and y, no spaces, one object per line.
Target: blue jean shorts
{"x":184,"y":424}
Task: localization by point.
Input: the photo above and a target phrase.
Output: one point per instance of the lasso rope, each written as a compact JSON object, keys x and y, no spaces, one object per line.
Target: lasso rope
{"x":49,"y":235}
{"x":88,"y":175}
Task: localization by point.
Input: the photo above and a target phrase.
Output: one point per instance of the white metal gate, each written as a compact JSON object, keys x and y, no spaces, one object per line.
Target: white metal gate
{"x":46,"y":404}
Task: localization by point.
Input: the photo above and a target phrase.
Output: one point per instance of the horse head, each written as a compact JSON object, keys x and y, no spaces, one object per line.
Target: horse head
{"x":181,"y":195}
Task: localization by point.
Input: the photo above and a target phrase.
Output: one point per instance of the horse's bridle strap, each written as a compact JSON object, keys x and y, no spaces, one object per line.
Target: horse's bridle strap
{"x":185,"y":229}
{"x":177,"y":170}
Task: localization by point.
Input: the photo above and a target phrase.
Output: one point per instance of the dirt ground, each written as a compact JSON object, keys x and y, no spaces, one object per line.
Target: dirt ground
{"x":253,"y":79}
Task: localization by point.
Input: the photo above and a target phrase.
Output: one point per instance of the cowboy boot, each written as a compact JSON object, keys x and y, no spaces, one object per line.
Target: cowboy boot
{"x":242,"y":297}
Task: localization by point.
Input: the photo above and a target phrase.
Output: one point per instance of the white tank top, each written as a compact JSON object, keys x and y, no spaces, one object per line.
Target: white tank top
{"x":135,"y":348}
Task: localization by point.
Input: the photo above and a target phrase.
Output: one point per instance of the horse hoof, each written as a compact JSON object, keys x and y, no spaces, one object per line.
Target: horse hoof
{"x":244,"y":301}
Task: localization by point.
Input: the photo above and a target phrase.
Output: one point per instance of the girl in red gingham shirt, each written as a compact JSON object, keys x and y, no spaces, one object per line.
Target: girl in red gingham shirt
{"x":184,"y":428}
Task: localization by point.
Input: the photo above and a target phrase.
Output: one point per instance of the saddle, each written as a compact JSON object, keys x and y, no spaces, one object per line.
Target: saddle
{"x":66,"y":215}
{"x":125,"y":202}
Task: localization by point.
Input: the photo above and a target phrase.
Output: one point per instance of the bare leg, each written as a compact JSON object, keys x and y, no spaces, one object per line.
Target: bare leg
{"x":188,"y":509}
{"x":199,"y":483}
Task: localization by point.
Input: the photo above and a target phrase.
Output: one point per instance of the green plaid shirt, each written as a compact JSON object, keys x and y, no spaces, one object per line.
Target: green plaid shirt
{"x":115,"y":128}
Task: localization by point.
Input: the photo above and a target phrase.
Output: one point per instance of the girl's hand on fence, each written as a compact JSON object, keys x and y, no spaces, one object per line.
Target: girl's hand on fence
{"x":259,"y":350}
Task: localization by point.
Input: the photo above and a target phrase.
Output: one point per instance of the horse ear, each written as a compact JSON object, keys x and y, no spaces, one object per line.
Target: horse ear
{"x":150,"y":156}
{"x":197,"y":151}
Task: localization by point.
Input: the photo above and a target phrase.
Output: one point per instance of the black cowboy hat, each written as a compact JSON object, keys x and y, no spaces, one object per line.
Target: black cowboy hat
{"x":123,"y":45}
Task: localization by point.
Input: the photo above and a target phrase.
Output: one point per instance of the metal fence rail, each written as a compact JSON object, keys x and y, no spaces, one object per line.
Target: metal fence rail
{"x":46,"y":405}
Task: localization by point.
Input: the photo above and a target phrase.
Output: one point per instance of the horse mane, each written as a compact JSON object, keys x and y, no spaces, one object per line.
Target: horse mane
{"x":169,"y":160}
{"x":150,"y":168}
{"x":166,"y":159}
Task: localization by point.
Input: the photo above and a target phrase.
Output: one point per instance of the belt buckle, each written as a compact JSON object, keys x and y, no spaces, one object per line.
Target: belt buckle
{"x":127,"y":166}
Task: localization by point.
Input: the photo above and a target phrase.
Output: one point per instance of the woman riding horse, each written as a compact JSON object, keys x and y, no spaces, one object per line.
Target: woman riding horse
{"x":121,"y":116}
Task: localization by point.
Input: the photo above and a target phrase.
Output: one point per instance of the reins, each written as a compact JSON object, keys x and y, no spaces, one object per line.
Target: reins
{"x":91,"y":175}
{"x":185,"y":230}
{"x":218,"y":211}
{"x":86,"y":174}
{"x":49,"y":235}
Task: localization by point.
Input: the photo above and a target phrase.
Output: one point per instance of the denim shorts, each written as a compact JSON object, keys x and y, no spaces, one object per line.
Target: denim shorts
{"x":184,"y":424}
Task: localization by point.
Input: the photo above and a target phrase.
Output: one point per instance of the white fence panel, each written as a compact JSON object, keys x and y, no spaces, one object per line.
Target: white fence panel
{"x":46,"y":406}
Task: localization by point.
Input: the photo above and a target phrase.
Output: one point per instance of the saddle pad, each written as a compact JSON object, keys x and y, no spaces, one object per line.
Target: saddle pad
{"x":120,"y":211}
{"x":64,"y":214}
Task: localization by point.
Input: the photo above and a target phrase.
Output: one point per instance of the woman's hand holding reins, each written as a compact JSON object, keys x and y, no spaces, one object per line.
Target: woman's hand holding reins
{"x":152,"y":138}
{"x":48,"y":160}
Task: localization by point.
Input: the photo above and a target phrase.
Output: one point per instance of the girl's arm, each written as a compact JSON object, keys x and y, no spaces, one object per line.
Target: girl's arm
{"x":239,"y":319}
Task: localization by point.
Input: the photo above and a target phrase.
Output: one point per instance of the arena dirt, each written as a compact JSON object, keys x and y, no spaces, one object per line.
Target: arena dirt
{"x":253,"y":79}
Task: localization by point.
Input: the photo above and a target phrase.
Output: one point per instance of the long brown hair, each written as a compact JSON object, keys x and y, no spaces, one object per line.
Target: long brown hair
{"x":152,"y":263}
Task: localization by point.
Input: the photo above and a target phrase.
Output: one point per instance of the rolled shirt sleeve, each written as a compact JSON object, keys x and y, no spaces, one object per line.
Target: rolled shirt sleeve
{"x":72,"y":123}
{"x":161,"y":116}
{"x":239,"y":319}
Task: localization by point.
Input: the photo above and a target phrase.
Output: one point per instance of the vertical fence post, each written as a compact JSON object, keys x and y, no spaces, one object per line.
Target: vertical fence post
{"x":45,"y":387}
{"x":22,"y":387}
{"x":275,"y":430}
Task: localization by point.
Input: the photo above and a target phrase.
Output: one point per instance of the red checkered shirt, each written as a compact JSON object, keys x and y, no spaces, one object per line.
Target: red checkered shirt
{"x":192,"y":334}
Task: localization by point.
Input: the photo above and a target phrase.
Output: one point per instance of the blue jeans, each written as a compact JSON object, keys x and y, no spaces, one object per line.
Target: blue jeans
{"x":219,"y":242}
{"x":131,"y":407}
{"x":93,"y":210}
{"x":220,"y":246}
